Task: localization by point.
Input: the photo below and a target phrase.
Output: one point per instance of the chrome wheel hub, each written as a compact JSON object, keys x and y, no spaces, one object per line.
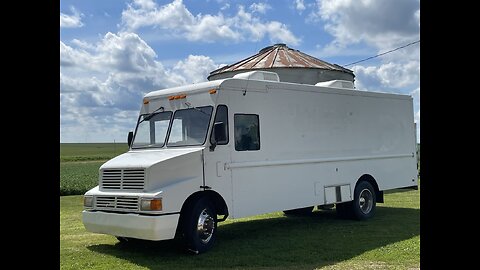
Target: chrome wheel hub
{"x":205,"y":226}
{"x":365,"y":201}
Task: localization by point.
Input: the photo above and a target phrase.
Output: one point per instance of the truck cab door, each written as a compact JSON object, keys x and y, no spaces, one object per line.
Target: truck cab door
{"x":217,"y":177}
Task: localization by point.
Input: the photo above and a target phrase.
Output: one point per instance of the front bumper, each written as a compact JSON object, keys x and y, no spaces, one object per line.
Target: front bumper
{"x":131,"y":225}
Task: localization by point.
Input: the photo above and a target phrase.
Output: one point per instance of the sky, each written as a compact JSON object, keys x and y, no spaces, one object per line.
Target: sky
{"x":113,"y":52}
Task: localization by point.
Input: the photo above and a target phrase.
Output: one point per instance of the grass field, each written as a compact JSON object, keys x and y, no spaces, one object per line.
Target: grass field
{"x":391,"y":240}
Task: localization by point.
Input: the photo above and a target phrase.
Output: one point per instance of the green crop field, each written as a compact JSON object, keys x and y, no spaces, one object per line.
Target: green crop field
{"x":90,"y":151}
{"x":79,"y":163}
{"x":391,"y":240}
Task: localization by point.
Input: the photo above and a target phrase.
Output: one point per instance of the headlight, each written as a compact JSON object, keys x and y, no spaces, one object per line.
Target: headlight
{"x":151,"y":204}
{"x":88,"y":201}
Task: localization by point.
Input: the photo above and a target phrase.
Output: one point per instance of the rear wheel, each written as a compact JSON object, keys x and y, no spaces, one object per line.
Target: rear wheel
{"x":199,"y":226}
{"x":299,"y":211}
{"x":364,"y":203}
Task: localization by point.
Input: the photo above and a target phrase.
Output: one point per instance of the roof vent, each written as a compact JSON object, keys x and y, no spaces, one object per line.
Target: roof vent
{"x":337,"y":84}
{"x":258,"y":75}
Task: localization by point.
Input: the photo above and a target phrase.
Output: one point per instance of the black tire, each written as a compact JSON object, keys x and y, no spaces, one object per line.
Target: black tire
{"x":364,"y":203}
{"x":196,"y":239}
{"x":299,"y":211}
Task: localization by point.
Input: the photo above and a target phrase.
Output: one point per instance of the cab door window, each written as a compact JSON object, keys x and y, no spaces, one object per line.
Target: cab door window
{"x":221,"y":116}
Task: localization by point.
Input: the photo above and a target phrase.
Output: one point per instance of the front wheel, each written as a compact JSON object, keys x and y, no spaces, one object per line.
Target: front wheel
{"x":200,"y":226}
{"x":364,"y":203}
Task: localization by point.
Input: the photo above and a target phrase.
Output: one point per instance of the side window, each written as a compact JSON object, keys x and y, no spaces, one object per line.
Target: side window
{"x":221,"y":116}
{"x":247,"y":132}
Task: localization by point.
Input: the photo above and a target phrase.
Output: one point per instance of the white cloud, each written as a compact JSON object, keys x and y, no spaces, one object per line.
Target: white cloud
{"x":299,"y":6}
{"x":179,"y":21}
{"x":148,"y":4}
{"x":195,"y":68}
{"x":71,"y":21}
{"x":71,"y":57}
{"x":82,"y":44}
{"x":381,"y":23}
{"x":170,"y":16}
{"x":388,"y":76}
{"x":226,"y":6}
{"x":260,"y":7}
{"x":211,"y":28}
{"x":101,"y":88}
{"x":256,"y":29}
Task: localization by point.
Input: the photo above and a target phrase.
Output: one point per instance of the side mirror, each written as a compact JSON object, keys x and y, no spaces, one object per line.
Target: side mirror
{"x":219,"y":134}
{"x":130,"y":138}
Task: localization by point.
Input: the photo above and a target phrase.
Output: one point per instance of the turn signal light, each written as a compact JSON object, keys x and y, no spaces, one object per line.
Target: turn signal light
{"x":151,"y":204}
{"x":156,"y":205}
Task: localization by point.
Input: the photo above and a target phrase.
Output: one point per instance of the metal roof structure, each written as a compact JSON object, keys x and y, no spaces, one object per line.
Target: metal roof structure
{"x":279,"y":57}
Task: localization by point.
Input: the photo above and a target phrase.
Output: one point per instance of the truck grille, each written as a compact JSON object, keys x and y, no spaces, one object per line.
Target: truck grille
{"x":123,"y":179}
{"x":119,"y":203}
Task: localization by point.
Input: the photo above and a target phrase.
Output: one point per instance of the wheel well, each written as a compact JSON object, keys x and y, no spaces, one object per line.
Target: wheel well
{"x":216,"y":199}
{"x":373,"y":182}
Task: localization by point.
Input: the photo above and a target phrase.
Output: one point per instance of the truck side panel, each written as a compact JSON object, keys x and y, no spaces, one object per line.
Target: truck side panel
{"x":314,"y":140}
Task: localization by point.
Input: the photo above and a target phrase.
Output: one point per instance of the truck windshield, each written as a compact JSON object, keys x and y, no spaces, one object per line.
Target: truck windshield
{"x":187,"y":127}
{"x":152,"y":130}
{"x":190,"y":126}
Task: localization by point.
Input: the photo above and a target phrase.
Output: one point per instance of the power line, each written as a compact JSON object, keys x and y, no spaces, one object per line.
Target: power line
{"x":371,"y":57}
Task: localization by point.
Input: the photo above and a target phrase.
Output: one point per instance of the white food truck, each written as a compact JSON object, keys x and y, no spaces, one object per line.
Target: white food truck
{"x":249,"y":145}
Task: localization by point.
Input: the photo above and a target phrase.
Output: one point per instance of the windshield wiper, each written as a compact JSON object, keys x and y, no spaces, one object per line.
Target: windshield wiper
{"x":189,"y":105}
{"x":150,"y":115}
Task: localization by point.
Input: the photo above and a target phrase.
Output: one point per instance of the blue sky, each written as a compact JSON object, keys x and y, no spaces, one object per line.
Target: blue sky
{"x":113,"y":52}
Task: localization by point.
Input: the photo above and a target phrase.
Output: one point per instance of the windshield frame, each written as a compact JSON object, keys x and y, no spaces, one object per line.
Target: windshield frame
{"x":206,"y":133}
{"x":138,"y":124}
{"x":170,"y":123}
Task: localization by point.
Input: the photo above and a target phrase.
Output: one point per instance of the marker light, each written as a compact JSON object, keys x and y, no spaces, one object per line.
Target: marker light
{"x":177,"y":97}
{"x":151,"y":204}
{"x":146,"y":101}
{"x":213,"y":91}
